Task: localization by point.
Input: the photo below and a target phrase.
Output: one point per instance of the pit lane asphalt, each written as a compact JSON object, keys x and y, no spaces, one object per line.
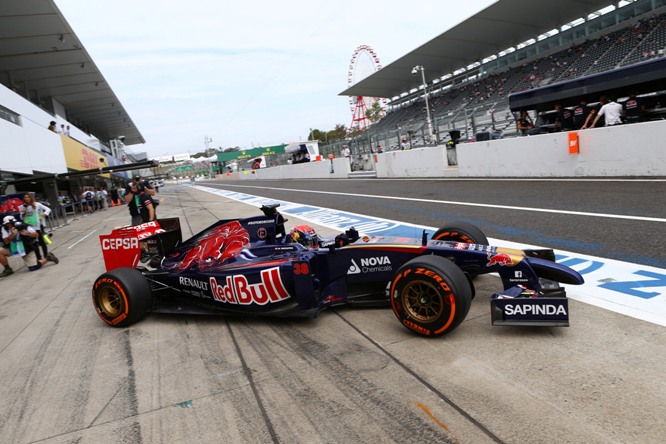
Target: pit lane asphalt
{"x":502,"y":209}
{"x":351,"y":375}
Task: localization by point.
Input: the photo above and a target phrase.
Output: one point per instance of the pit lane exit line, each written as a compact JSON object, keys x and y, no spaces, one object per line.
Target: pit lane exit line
{"x":631,"y":289}
{"x":468,"y":204}
{"x":82,"y":239}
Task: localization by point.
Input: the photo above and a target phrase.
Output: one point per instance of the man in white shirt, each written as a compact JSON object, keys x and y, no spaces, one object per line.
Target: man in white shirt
{"x":612,"y":113}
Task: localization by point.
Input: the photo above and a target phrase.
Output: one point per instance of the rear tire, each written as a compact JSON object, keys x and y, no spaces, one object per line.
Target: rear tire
{"x":430,"y":295}
{"x":122,"y":297}
{"x":461,"y":232}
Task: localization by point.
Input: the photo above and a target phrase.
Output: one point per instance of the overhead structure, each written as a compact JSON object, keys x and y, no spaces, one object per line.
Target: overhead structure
{"x":42,"y":59}
{"x":364,"y":62}
{"x":504,"y":24}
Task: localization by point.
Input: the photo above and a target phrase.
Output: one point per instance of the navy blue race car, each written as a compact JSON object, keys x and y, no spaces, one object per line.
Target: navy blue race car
{"x":253,"y":266}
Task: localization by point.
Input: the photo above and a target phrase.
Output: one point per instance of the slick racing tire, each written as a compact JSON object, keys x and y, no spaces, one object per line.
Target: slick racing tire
{"x":122,"y":296}
{"x":461,"y":232}
{"x":430,"y":295}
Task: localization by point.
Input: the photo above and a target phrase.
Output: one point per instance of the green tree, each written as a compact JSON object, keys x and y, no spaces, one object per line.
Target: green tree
{"x":374,"y":113}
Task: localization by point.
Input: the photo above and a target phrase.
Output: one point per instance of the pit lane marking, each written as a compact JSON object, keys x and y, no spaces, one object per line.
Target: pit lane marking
{"x":81,"y":240}
{"x":465,"y":204}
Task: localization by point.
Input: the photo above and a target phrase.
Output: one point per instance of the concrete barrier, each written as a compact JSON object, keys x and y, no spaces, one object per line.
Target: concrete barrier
{"x":619,"y":151}
{"x":310,"y":170}
{"x":418,"y":162}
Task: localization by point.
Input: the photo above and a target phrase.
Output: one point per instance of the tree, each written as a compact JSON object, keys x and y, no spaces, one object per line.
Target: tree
{"x":316,"y":134}
{"x":339,"y":132}
{"x":374,"y":113}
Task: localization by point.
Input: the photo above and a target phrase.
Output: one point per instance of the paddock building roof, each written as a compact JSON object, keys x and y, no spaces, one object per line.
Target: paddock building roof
{"x":502,"y":25}
{"x":41,"y":57}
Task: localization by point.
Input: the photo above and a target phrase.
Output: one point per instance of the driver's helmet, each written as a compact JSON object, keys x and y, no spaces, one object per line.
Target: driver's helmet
{"x":304,"y":235}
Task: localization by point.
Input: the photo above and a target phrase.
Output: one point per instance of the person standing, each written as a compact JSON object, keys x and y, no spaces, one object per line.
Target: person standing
{"x":345,"y":152}
{"x":132,"y":197}
{"x":580,"y":114}
{"x":146,"y":205}
{"x":33,"y":214}
{"x":611,"y":112}
{"x":52,"y":126}
{"x":563,"y":118}
{"x":634,"y":109}
{"x":594,"y":111}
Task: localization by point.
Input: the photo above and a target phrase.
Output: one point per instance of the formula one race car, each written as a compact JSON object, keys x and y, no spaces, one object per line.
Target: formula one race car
{"x":254,"y":267}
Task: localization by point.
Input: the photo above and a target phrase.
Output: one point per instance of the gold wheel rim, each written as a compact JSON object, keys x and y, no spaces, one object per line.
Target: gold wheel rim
{"x":111,"y":302}
{"x":423,"y":301}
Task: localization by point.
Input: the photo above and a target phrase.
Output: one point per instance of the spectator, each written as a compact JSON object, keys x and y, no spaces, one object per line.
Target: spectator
{"x":380,"y":149}
{"x":404,"y":145}
{"x":256,"y":164}
{"x":133,"y":193}
{"x":563,"y":118}
{"x":33,"y":214}
{"x":594,"y":110}
{"x":345,"y":151}
{"x":580,"y":114}
{"x":20,"y":239}
{"x":89,"y":200}
{"x":62,"y":129}
{"x":66,"y":132}
{"x":634,"y":109}
{"x":99,"y":199}
{"x":611,"y":111}
{"x":524,"y":123}
{"x":52,"y":126}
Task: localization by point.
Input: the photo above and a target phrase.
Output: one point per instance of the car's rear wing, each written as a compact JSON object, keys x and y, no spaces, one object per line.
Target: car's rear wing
{"x":133,"y":245}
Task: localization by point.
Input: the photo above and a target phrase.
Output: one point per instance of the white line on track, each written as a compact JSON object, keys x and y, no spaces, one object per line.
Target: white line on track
{"x":81,"y":240}
{"x":468,"y":204}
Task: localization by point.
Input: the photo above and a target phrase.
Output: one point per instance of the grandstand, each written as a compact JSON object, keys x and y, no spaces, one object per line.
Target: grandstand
{"x":474,"y":98}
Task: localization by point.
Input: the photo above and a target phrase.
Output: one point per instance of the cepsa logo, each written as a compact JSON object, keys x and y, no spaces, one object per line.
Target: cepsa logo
{"x":237,"y":290}
{"x":122,"y":243}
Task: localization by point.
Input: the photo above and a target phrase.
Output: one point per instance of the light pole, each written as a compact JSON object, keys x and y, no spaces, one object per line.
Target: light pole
{"x":415,"y":70}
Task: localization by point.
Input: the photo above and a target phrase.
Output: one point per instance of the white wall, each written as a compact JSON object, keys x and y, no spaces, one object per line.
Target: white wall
{"x":418,"y":162}
{"x":30,"y":147}
{"x":625,"y":150}
{"x":310,"y":170}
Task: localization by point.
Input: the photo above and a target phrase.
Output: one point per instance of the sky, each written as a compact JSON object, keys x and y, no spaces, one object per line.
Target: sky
{"x":245,"y":73}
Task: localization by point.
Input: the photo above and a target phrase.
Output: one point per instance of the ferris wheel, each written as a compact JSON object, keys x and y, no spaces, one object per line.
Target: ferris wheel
{"x":364,"y":62}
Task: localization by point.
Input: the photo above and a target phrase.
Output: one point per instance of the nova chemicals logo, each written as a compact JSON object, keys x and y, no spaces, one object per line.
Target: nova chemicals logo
{"x":371,"y":265}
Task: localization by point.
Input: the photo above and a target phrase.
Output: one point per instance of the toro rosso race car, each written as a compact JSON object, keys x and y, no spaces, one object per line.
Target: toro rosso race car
{"x":254,"y":267}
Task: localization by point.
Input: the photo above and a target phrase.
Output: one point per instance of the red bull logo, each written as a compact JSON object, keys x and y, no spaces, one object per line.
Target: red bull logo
{"x":237,"y":290}
{"x":501,"y":259}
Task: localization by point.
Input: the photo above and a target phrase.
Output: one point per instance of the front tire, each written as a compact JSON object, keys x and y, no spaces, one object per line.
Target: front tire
{"x":430,"y":295}
{"x":461,"y":232}
{"x":122,"y":297}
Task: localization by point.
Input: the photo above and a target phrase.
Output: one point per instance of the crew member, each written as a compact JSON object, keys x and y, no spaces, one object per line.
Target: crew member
{"x":133,"y":198}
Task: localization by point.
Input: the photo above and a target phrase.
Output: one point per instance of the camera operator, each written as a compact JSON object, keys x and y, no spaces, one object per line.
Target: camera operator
{"x":20,"y":238}
{"x":133,"y":198}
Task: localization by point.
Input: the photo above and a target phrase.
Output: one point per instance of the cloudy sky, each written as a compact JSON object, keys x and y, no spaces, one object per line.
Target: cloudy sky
{"x":244,"y":73}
